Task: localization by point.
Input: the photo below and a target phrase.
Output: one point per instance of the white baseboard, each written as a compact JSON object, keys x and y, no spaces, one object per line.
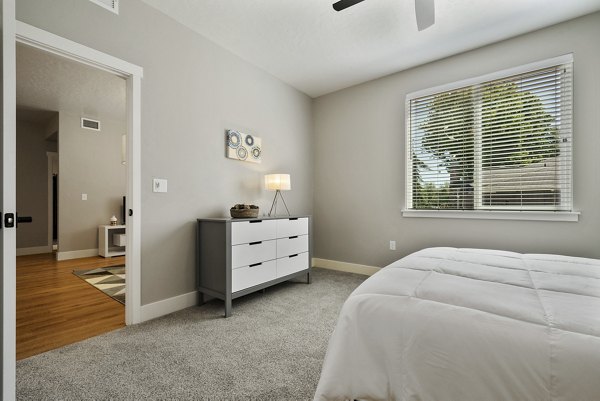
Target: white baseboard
{"x":84,"y":253}
{"x":345,"y":266}
{"x":169,"y":305}
{"x":174,"y":304}
{"x":34,"y":250}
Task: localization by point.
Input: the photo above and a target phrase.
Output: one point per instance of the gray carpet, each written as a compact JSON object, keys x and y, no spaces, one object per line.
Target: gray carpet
{"x":271,"y":348}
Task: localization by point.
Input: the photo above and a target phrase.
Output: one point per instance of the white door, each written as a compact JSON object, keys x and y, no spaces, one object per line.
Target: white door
{"x":8,"y":198}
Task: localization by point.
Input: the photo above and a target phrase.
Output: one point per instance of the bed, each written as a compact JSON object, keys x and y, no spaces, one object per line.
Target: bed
{"x":454,"y":324}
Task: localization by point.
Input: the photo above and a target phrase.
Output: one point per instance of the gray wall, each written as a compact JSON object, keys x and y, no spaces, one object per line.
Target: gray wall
{"x":89,"y":163}
{"x":360,"y":158}
{"x":192,"y":91}
{"x":32,"y":183}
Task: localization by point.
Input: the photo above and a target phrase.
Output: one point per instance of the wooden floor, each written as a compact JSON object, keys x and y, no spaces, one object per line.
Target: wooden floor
{"x":56,"y":308}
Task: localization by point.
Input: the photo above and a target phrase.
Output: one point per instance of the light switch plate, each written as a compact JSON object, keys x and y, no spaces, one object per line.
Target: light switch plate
{"x":83,"y":196}
{"x":159,"y":185}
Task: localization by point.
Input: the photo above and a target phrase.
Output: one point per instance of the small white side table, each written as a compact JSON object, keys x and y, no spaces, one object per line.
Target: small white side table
{"x":106,"y":247}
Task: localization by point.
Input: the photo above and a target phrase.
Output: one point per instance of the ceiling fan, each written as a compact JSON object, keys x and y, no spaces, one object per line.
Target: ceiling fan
{"x":424,"y":10}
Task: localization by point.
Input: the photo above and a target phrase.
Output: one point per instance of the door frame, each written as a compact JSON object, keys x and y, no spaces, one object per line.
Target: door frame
{"x":49,"y":42}
{"x":52,"y":163}
{"x":14,"y":31}
{"x":8,"y":236}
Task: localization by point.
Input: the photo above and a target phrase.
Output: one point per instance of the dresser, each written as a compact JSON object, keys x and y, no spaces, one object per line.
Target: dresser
{"x":236,"y":257}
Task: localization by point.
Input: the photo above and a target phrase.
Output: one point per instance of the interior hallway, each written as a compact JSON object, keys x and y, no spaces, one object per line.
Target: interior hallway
{"x":56,"y":308}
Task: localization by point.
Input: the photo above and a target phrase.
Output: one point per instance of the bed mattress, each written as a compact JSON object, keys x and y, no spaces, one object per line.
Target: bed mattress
{"x":453,"y":324}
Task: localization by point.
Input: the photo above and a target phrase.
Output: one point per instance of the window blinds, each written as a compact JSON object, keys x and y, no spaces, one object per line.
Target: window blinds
{"x":499,"y":144}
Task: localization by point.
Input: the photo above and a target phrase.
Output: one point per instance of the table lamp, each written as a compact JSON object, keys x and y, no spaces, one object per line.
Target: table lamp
{"x":277,"y":183}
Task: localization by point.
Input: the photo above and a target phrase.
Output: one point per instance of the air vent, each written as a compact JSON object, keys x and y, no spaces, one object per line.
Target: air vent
{"x":90,"y":124}
{"x":112,"y":5}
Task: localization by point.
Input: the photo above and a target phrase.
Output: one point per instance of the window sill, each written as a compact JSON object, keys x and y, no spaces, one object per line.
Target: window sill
{"x":493,"y":215}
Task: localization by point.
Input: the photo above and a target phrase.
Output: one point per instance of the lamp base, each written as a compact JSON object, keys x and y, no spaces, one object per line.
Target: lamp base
{"x":274,"y":205}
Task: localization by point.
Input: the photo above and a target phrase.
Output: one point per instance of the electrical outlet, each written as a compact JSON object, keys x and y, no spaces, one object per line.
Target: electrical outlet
{"x":392,"y":245}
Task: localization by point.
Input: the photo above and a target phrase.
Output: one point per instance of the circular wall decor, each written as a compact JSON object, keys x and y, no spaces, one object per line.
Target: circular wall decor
{"x":255,"y":152}
{"x":243,"y":147}
{"x":242,"y":153}
{"x":234,"y":139}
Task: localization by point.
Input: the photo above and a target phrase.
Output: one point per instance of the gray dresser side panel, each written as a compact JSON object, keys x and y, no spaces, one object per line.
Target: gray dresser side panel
{"x":214,"y":255}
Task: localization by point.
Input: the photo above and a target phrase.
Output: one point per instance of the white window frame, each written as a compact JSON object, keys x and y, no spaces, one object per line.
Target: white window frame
{"x":503,"y":214}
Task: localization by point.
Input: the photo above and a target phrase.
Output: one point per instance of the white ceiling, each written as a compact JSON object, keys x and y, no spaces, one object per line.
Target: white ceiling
{"x":318,"y":50}
{"x":49,"y":82}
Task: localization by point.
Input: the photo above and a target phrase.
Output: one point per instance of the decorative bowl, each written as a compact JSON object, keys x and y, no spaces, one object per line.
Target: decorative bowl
{"x":241,"y":211}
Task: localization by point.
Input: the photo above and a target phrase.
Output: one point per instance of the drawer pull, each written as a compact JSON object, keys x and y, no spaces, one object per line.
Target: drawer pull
{"x":255,"y":243}
{"x":255,"y":264}
{"x":255,"y":221}
{"x":293,"y":237}
{"x":293,"y":256}
{"x":293,"y":218}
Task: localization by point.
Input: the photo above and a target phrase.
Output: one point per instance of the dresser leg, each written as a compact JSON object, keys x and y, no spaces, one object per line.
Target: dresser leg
{"x":200,"y":298}
{"x":308,"y":278}
{"x":227,"y":307}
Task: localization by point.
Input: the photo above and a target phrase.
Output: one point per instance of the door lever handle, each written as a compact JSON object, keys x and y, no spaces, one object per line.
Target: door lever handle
{"x":23,"y":219}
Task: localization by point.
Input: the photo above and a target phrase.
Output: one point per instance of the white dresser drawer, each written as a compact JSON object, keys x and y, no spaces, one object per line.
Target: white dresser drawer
{"x":249,"y":276}
{"x":288,"y":265}
{"x":253,"y":252}
{"x":292,"y":245}
{"x":243,"y":232}
{"x":291,"y":227}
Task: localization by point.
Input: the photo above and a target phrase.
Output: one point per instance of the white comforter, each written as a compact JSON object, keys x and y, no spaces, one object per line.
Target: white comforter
{"x":466,"y":324}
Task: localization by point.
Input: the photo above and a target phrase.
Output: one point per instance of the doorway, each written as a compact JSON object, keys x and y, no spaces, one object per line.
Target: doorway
{"x":29,"y":35}
{"x":70,"y":180}
{"x":42,"y":40}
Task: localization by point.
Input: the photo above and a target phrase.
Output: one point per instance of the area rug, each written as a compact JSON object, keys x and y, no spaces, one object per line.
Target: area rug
{"x":109,"y":280}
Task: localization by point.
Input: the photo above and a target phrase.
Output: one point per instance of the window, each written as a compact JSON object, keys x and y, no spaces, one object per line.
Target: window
{"x":501,"y":142}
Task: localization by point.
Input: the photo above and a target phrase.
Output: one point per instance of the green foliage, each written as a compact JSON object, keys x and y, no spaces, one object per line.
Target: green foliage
{"x":516,"y":130}
{"x":449,"y":130}
{"x":428,"y":196}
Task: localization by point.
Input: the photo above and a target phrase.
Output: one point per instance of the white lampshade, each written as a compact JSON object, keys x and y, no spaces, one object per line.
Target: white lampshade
{"x":280,"y":182}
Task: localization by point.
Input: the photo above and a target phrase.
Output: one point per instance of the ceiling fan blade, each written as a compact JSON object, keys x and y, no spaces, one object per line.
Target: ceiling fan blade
{"x":425,"y":12}
{"x":342,"y":4}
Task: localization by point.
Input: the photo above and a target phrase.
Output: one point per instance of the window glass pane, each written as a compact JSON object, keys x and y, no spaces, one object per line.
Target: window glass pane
{"x":442,"y":144}
{"x":519,"y":140}
{"x":501,"y":144}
